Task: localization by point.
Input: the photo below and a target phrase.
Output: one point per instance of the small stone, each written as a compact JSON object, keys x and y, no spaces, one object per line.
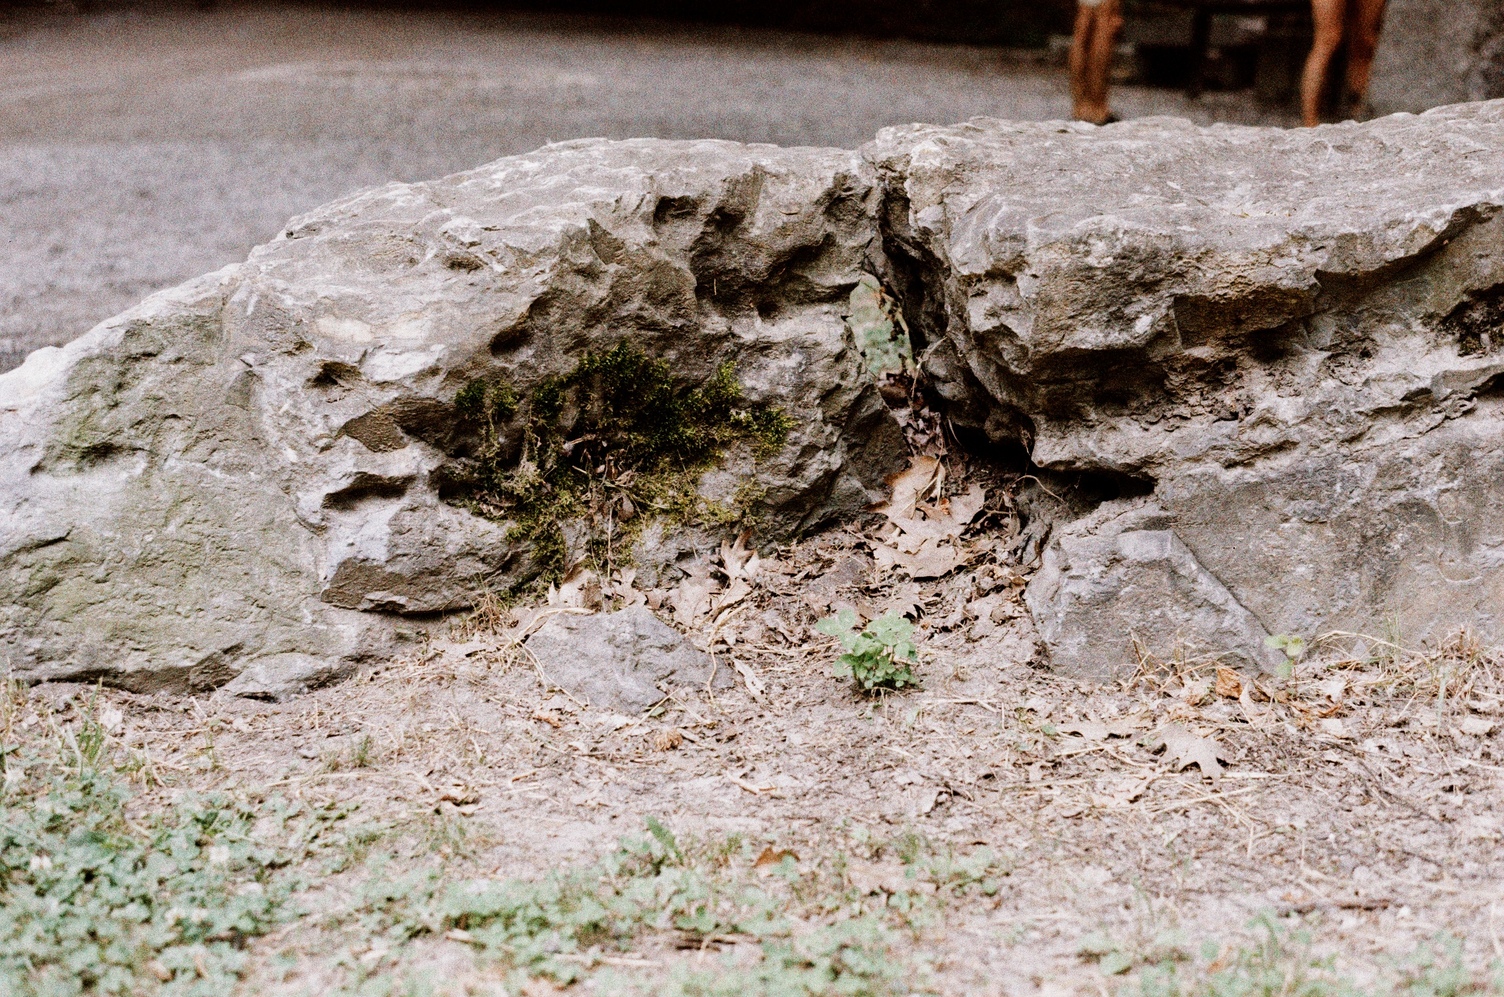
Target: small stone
{"x":623,"y":661}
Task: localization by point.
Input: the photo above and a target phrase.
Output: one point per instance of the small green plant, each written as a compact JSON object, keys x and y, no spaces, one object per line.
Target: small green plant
{"x":1294,"y":648}
{"x":1282,"y":962}
{"x":878,"y":657}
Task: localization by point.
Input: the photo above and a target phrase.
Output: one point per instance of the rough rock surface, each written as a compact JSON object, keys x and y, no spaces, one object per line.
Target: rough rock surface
{"x":1283,"y":345}
{"x":227,"y":480}
{"x":1123,"y":575}
{"x":1290,"y":339}
{"x":622,"y":661}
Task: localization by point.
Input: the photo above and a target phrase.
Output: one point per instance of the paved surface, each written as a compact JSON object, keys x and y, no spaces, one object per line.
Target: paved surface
{"x":137,"y":151}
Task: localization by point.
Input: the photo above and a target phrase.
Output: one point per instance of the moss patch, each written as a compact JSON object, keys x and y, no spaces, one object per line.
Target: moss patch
{"x":596,"y":453}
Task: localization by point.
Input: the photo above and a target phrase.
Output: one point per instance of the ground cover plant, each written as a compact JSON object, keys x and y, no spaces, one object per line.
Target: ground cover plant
{"x":878,"y":656}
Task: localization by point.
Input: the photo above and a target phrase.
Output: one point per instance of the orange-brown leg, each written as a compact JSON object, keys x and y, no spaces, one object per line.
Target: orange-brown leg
{"x":1365,"y":21}
{"x":1328,"y":16}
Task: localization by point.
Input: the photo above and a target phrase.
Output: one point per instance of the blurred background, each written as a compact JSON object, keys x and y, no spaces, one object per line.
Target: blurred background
{"x":145,"y":143}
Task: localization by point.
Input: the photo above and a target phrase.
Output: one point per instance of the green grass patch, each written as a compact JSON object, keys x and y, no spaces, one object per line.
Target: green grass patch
{"x":95,"y":902}
{"x":1282,"y":961}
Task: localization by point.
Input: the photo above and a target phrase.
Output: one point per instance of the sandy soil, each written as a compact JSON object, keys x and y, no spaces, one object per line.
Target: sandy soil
{"x":1359,"y":799}
{"x":139,"y":150}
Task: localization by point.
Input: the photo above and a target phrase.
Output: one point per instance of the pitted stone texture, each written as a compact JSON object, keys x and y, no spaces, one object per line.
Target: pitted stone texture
{"x":1291,"y":339}
{"x":247,"y":468}
{"x":625,"y":661}
{"x":1122,"y":572}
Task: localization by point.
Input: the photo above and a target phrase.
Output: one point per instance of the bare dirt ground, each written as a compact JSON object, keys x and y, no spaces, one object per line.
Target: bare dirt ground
{"x":138,"y":150}
{"x":1117,"y":831}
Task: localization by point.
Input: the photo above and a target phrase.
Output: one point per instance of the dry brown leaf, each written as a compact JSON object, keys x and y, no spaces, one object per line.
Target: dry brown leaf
{"x":739,"y":562}
{"x":1095,"y":730}
{"x":927,"y":561}
{"x":623,"y":588}
{"x":1196,"y":691}
{"x":667,"y":740}
{"x":580,"y":589}
{"x":1120,"y":791}
{"x":1185,"y":748}
{"x":906,"y":600}
{"x":1229,"y":684}
{"x":773,"y":856}
{"x":692,"y":598}
{"x":922,"y":479}
{"x":964,"y":507}
{"x":550,"y":717}
{"x":739,"y":589}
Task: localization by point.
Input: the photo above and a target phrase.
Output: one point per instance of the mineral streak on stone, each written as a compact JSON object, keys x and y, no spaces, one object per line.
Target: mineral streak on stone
{"x":1278,"y":352}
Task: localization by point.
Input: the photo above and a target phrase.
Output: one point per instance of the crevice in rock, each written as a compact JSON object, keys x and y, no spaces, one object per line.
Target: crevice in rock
{"x":1477,"y":323}
{"x":917,"y":276}
{"x":365,"y":487}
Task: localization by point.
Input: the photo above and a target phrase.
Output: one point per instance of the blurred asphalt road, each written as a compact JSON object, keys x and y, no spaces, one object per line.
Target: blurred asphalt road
{"x":138,"y":150}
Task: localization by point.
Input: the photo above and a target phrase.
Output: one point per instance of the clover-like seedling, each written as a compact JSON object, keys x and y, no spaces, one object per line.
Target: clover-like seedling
{"x":878,"y":657}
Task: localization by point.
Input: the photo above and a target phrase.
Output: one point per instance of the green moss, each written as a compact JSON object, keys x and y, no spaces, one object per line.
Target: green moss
{"x":609,"y":446}
{"x":489,"y":400}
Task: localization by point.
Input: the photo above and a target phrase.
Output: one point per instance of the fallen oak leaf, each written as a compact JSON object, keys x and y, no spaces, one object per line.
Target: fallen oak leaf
{"x":774,"y":856}
{"x":909,"y":487}
{"x":1229,"y":684}
{"x":1093,"y":730}
{"x":693,"y":597}
{"x":1184,"y":748}
{"x":737,"y":561}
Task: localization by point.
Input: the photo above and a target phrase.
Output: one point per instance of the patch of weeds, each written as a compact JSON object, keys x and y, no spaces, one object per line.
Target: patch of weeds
{"x":610,"y":445}
{"x":1282,"y":962}
{"x":853,"y":958}
{"x":92,"y":902}
{"x":810,"y":933}
{"x":1293,"y":647}
{"x":881,"y":656}
{"x":95,"y":901}
{"x":876,"y":323}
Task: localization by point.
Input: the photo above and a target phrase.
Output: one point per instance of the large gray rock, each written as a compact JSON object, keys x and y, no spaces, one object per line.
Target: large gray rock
{"x":1291,"y":340}
{"x":246,"y":474}
{"x":625,"y":661}
{"x":1282,"y":348}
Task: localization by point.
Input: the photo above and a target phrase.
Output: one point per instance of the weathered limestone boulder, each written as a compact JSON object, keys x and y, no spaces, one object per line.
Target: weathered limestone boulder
{"x":1121,"y":576}
{"x":245,"y":479}
{"x":1260,"y":370}
{"x":1290,"y":340}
